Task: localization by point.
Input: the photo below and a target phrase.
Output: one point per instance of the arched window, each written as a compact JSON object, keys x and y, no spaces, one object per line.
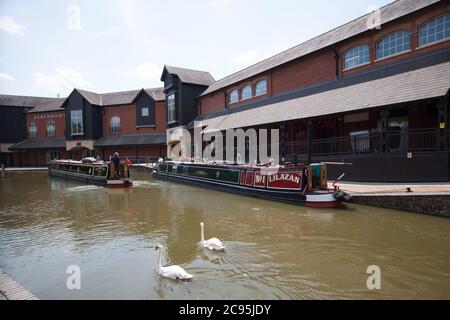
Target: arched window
{"x":435,"y":30}
{"x":32,"y":130}
{"x":115,"y":125}
{"x":356,"y":56}
{"x":51,"y":129}
{"x":394,"y":43}
{"x":247,"y":92}
{"x":261,"y":88}
{"x":234,"y":96}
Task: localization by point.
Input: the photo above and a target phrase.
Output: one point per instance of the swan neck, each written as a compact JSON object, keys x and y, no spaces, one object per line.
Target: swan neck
{"x":202,"y":233}
{"x":159,"y":260}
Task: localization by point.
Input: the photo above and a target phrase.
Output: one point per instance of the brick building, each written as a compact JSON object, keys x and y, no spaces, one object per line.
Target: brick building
{"x":372,"y":95}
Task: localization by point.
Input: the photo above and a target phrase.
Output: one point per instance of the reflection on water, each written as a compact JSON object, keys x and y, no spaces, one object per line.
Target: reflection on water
{"x":274,"y":251}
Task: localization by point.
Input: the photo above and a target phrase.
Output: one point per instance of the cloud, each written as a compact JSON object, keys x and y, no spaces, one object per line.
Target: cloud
{"x":247,"y":58}
{"x":149,"y":72}
{"x":127,"y":9}
{"x":7,"y":77}
{"x":62,"y":82}
{"x":9,"y":25}
{"x":218,"y":3}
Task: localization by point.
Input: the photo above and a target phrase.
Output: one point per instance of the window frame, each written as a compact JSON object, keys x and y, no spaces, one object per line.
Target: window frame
{"x":243,"y":98}
{"x":32,"y":133}
{"x":53,"y":130}
{"x":234,"y":91}
{"x":79,"y":132}
{"x":377,"y":44}
{"x":344,"y":56}
{"x":115,"y":125}
{"x":147,"y":111}
{"x":171,"y":108}
{"x":422,"y":26}
{"x":265,"y":88}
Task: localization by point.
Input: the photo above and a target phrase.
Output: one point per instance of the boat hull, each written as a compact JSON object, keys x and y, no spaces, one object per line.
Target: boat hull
{"x":100,"y":181}
{"x":315,"y":200}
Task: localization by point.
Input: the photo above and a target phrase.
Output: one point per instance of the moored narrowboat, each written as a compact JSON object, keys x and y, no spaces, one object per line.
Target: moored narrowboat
{"x":293,"y":184}
{"x":91,"y":171}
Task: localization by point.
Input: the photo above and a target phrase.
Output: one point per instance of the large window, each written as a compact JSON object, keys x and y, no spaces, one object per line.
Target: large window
{"x":114,"y":124}
{"x":356,"y":56}
{"x":394,"y":43}
{"x":435,"y":30}
{"x":234,"y":96}
{"x":76,"y":118}
{"x":171,"y":108}
{"x":261,"y":88}
{"x":32,"y":130}
{"x":51,"y":130}
{"x":247,"y":92}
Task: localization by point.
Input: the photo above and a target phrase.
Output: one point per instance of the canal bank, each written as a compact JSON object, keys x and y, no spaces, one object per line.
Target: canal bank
{"x":426,"y":198}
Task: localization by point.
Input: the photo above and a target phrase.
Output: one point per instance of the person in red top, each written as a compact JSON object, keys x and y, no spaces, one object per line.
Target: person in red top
{"x":128,"y":165}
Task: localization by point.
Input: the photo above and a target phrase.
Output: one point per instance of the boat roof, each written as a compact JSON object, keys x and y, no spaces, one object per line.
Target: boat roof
{"x":236,"y":166}
{"x":79,"y":162}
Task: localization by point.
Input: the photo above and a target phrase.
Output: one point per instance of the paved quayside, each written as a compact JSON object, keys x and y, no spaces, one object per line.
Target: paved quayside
{"x":426,"y":198}
{"x":11,"y":290}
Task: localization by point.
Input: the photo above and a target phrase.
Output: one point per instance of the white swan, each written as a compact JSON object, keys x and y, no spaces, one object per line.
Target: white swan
{"x":211,"y":244}
{"x":171,"y":272}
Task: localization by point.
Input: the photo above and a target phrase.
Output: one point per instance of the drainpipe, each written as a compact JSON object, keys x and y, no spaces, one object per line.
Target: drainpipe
{"x":336,"y":57}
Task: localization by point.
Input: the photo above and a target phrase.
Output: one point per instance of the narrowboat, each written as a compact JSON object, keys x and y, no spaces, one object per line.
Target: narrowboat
{"x":303,"y":185}
{"x":91,"y":171}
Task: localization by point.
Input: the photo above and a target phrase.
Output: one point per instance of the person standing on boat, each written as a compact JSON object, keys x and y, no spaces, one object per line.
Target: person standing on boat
{"x":116,"y":161}
{"x":128,"y":165}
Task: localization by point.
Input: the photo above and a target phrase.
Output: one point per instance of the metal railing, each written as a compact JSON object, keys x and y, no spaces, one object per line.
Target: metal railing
{"x":374,"y":142}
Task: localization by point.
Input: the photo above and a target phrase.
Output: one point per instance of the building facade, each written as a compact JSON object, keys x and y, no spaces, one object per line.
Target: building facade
{"x":373,"y":95}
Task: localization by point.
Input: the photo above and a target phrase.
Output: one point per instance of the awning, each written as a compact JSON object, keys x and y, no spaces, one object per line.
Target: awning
{"x":132,"y":140}
{"x":420,"y":84}
{"x":39,"y":144}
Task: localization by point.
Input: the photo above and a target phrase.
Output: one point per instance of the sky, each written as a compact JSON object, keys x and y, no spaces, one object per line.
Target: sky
{"x":49,"y":47}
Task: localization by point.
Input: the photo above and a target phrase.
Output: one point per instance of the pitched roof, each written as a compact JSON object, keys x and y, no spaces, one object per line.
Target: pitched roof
{"x":132,"y":140}
{"x":420,"y":84}
{"x":190,"y":76}
{"x":39,"y":144}
{"x":22,"y":101}
{"x":389,"y":13}
{"x":120,"y":98}
{"x":48,"y":105}
{"x":156,"y":93}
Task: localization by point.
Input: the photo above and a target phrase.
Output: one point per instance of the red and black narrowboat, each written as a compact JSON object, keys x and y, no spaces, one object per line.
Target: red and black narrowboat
{"x":296,"y":184}
{"x":91,"y":171}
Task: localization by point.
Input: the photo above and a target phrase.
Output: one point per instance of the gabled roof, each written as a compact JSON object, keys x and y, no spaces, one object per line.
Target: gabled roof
{"x":22,"y":101}
{"x":119,"y":98}
{"x":389,"y":13}
{"x":156,"y":93}
{"x":189,"y":76}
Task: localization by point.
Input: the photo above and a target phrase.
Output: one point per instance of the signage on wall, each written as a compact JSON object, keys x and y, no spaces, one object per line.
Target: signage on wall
{"x":79,"y":144}
{"x":410,"y":155}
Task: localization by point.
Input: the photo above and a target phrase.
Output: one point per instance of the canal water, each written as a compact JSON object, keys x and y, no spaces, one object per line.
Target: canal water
{"x":274,"y":251}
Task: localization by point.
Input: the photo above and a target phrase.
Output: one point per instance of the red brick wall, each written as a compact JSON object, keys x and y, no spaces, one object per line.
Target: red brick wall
{"x":127,"y":114}
{"x":41,"y":120}
{"x":321,"y":66}
{"x":411,"y":23}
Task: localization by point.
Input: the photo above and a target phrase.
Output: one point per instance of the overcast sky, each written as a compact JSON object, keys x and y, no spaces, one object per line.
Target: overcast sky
{"x":48,"y":47}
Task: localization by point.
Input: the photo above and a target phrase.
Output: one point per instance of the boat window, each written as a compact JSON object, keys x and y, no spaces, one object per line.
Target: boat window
{"x":100,"y":171}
